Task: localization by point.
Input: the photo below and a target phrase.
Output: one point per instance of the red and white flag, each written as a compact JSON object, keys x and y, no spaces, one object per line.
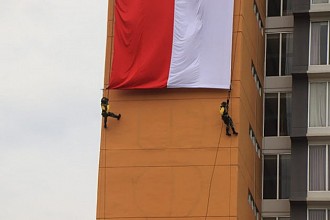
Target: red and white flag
{"x":172,"y":44}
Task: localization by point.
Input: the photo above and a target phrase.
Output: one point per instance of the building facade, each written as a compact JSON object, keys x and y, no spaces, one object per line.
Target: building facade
{"x":278,"y":92}
{"x":296,"y":101}
{"x":169,"y":157}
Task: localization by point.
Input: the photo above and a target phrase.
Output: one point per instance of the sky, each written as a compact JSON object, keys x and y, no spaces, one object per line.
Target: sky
{"x":51,"y":75}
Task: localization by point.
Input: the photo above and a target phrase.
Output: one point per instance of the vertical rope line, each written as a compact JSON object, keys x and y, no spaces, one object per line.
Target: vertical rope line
{"x":234,"y":51}
{"x":238,"y":26}
{"x":106,"y":92}
{"x":216,"y":156}
{"x":235,"y":42}
{"x":112,"y":39}
{"x":230,"y":169}
{"x":106,"y":84}
{"x":232,"y":72}
{"x":105,"y":161}
{"x":213,"y":170}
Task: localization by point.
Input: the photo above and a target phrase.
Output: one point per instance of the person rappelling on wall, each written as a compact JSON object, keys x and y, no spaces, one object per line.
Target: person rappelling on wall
{"x":106,"y":111}
{"x":226,"y":118}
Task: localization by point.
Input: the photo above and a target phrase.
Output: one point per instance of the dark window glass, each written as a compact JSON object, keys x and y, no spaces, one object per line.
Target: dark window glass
{"x":285,"y":114}
{"x":272,"y":54}
{"x":287,"y":53}
{"x":270,"y":176}
{"x":284,"y":176}
{"x":271,"y":116}
{"x":274,"y":8}
{"x":269,"y":218}
{"x":287,"y":7}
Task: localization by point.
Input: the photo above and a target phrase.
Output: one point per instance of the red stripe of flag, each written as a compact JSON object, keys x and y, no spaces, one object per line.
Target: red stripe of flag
{"x":142,"y":43}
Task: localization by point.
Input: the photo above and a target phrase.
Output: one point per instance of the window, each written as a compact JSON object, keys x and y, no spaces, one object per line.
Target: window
{"x":276,"y":182}
{"x":318,"y":214}
{"x":279,"y":54}
{"x":253,"y":205}
{"x":319,"y":104}
{"x":256,"y":78}
{"x":276,"y":218}
{"x":319,"y":1}
{"x":254,"y":141}
{"x":279,"y":8}
{"x":318,"y":164}
{"x":319,"y":54}
{"x":277,"y":114}
{"x":257,"y":14}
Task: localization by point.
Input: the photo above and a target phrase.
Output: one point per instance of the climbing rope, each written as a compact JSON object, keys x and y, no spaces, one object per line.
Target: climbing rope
{"x":228,"y":98}
{"x":212,"y":175}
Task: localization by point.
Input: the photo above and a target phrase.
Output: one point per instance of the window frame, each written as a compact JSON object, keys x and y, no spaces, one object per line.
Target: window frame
{"x":253,"y":205}
{"x":310,"y":43}
{"x":256,"y":78}
{"x":327,"y":123}
{"x":281,"y":10}
{"x":254,"y":141}
{"x":326,"y":168}
{"x":280,"y":46}
{"x":277,"y":175}
{"x":326,"y":212}
{"x":278,"y":113}
{"x":260,"y":23}
{"x":277,"y":218}
{"x":319,"y":3}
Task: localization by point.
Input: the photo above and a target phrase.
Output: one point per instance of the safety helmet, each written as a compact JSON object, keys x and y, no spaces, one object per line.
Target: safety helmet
{"x":104,"y":100}
{"x":223,"y":104}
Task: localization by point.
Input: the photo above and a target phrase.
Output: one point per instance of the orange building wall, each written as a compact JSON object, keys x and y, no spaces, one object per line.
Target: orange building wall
{"x":168,"y":157}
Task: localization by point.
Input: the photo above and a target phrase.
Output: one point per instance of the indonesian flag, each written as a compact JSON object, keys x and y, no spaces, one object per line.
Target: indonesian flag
{"x":172,"y":44}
